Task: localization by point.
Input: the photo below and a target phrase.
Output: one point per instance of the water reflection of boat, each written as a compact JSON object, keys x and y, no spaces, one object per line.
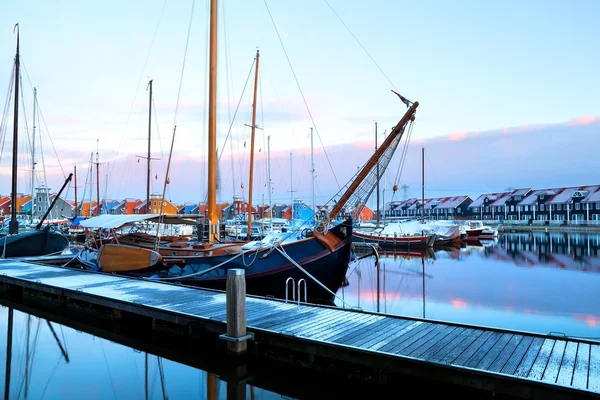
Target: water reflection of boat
{"x":408,"y":253}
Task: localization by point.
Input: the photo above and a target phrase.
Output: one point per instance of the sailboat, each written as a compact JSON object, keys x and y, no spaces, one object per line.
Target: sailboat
{"x":37,"y":242}
{"x":320,"y":258}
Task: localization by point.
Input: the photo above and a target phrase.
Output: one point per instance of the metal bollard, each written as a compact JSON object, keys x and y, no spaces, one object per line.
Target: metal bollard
{"x":236,"y":312}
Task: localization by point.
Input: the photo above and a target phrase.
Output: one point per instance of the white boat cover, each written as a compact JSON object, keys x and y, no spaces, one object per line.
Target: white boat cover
{"x":109,"y":221}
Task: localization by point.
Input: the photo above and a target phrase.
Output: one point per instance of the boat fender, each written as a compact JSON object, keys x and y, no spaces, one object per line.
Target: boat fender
{"x":155,"y":277}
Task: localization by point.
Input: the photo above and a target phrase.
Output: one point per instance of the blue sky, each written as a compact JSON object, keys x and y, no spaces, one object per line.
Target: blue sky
{"x":473,"y":66}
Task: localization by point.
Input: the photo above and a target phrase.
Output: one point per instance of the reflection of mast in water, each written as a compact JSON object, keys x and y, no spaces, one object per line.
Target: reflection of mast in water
{"x":378,"y":286}
{"x":8,"y":354}
{"x":423,"y":274}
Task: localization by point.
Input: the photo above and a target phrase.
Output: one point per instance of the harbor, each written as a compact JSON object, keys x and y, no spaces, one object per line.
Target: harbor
{"x":363,"y":346}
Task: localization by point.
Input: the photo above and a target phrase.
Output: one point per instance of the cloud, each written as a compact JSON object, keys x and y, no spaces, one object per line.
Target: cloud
{"x":457,"y":136}
{"x":584,"y":120}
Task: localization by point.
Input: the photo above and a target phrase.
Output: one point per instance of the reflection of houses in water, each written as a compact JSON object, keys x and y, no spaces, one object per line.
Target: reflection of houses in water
{"x":556,"y":249}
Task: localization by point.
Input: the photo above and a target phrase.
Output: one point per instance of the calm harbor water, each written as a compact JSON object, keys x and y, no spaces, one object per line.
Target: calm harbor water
{"x":534,"y":282}
{"x":537,"y":282}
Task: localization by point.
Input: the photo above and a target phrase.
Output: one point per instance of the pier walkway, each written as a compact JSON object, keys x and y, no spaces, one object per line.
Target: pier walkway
{"x":500,"y":361}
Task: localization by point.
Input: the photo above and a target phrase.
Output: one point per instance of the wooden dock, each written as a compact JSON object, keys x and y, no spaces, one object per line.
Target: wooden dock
{"x":381,"y":346}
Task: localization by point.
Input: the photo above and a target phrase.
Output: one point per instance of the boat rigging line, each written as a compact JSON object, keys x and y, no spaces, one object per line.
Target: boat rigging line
{"x":360,"y":44}
{"x":302,"y":94}
{"x":167,"y":179}
{"x":138,"y":87}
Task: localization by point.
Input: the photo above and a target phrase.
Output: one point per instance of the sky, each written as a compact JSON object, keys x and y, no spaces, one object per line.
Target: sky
{"x":508,"y":94}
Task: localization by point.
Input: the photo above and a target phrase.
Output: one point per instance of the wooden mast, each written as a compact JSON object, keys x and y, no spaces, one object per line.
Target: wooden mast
{"x":149,"y":138}
{"x":212,"y":127}
{"x":33,"y":155}
{"x":14,"y":224}
{"x":372,"y":161}
{"x":252,"y":149}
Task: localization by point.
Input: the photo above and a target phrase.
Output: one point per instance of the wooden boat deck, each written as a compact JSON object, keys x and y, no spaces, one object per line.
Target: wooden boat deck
{"x":529,"y":361}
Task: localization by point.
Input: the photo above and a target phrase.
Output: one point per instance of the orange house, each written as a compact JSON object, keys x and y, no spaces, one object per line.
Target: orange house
{"x":21,"y":200}
{"x":365,"y":215}
{"x":130,"y":205}
{"x":203,"y":209}
{"x":167,"y":206}
{"x":85,"y":209}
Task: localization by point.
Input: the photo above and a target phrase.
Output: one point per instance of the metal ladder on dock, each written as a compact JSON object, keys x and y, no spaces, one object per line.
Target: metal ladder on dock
{"x":287,"y":286}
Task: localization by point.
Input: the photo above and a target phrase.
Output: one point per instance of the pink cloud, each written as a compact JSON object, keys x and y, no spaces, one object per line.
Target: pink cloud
{"x":457,"y":136}
{"x":584,"y":120}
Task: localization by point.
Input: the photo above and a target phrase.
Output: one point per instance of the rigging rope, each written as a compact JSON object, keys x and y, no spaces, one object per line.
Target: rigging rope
{"x":360,"y":44}
{"x":5,"y":113}
{"x":138,"y":87}
{"x":162,"y":202}
{"x":302,"y":94}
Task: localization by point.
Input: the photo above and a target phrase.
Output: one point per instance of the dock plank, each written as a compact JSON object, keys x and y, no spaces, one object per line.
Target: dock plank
{"x":472,"y":348}
{"x":582,"y":363}
{"x":403,"y":335}
{"x":433,"y":341}
{"x":480,"y":353}
{"x":515,"y":358}
{"x":541,"y":361}
{"x":506,"y":353}
{"x":381,"y":325}
{"x":594,"y":374}
{"x":529,"y":358}
{"x":498,"y":348}
{"x":387,"y":338}
{"x":430,"y":353}
{"x":319,"y":324}
{"x":456,"y":347}
{"x":567,"y":366}
{"x":410,"y":339}
{"x":309,"y":322}
{"x":380,"y":333}
{"x":350,"y":327}
{"x":555,"y":361}
{"x":406,"y":348}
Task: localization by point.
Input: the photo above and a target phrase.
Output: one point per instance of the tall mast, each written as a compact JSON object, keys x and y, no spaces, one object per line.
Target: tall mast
{"x":269,"y":177}
{"x":423,"y":183}
{"x":14,"y":225}
{"x":252,"y":148}
{"x":149,"y":138}
{"x":97,"y":180}
{"x":212,"y":127}
{"x":377,"y":176}
{"x":33,"y":154}
{"x":312,"y":173}
{"x":75,"y":173}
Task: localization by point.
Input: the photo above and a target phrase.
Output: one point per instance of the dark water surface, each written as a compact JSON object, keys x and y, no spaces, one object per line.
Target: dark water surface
{"x":537,"y":282}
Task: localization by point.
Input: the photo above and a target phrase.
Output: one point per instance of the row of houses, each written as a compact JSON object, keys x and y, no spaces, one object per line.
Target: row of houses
{"x":575,"y":203}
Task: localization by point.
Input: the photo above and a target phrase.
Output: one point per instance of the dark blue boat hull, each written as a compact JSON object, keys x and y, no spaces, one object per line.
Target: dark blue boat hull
{"x":267,"y":271}
{"x":34,"y":243}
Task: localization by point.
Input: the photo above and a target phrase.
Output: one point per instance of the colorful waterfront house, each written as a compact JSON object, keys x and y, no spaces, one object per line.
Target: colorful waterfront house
{"x":591,"y":203}
{"x":534,"y":207}
{"x":365,"y":214}
{"x":456,"y":207}
{"x":278,"y":210}
{"x":88,"y":209}
{"x":398,"y":208}
{"x":298,"y":211}
{"x":566,"y":204}
{"x":129,"y":207}
{"x":5,"y":206}
{"x":108,"y":205}
{"x":263,"y":211}
{"x":62,"y":208}
{"x":189,"y":208}
{"x":237,"y":209}
{"x":140,"y":208}
{"x":480,"y":209}
{"x":22,"y":199}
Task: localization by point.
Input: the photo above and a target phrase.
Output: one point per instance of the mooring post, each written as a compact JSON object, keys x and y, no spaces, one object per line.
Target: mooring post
{"x":236,"y":312}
